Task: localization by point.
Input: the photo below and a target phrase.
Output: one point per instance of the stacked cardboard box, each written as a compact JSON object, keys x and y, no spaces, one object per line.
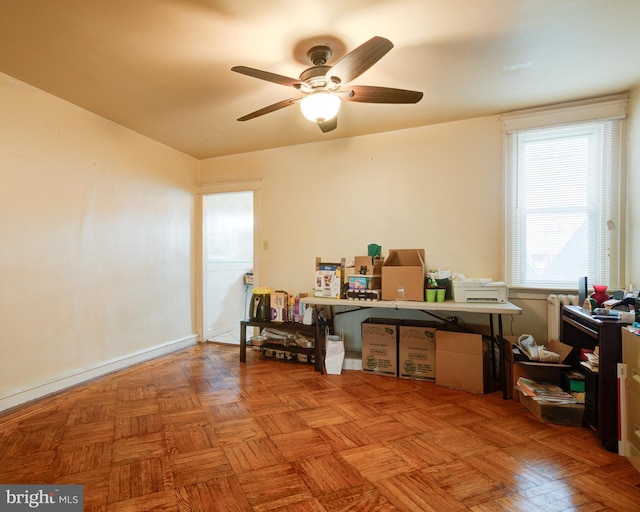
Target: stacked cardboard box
{"x":462,"y":361}
{"x":380,"y":346}
{"x":417,"y":350}
{"x":549,"y":373}
{"x":550,"y":403}
{"x":542,"y":372}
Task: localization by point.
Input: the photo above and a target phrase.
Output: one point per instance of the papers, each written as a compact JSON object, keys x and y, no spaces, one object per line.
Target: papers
{"x":592,"y":361}
{"x":543,"y":391}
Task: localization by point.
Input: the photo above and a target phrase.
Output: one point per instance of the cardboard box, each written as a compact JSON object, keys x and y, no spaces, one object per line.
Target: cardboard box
{"x":573,"y":381}
{"x":360,"y":283}
{"x":363,"y":295}
{"x":462,"y":361}
{"x":548,"y":412}
{"x":380,"y":346}
{"x":279,"y":305}
{"x":367,"y":265}
{"x":329,"y":279}
{"x":541,"y":372}
{"x":417,"y":350}
{"x":403,"y":274}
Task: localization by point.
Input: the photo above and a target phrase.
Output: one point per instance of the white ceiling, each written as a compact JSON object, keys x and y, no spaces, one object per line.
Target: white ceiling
{"x":162,"y":67}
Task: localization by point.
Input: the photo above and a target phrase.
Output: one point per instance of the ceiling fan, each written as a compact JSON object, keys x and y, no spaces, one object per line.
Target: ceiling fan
{"x":323,"y":87}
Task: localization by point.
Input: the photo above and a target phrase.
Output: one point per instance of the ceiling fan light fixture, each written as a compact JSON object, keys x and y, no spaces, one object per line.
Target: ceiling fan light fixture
{"x":320,"y":106}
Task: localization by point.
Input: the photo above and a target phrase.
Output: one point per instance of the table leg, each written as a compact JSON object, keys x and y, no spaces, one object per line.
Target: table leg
{"x":493,"y":346}
{"x":503,"y":363}
{"x":243,"y":342}
{"x":319,"y":347}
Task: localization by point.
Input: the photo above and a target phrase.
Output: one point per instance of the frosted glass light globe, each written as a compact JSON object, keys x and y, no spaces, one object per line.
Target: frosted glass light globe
{"x":320,"y":106}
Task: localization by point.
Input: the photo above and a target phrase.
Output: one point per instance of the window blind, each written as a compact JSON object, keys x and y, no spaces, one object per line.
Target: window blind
{"x":564,"y":208}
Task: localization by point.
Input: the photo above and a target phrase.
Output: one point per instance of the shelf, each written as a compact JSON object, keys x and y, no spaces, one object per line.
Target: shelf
{"x":309,"y":352}
{"x":307,"y":330}
{"x":581,"y":331}
{"x":294,"y":349}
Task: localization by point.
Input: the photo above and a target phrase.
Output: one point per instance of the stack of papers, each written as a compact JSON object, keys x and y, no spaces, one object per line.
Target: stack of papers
{"x":545,"y":392}
{"x":592,"y":361}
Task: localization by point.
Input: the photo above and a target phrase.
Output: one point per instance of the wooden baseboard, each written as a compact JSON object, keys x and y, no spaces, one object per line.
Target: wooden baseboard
{"x":21,"y":396}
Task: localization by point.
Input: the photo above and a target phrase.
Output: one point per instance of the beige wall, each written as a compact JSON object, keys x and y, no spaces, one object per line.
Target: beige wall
{"x":97,"y":252}
{"x":438,"y":187}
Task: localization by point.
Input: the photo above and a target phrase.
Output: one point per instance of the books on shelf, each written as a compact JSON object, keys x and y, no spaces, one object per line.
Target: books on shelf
{"x":592,"y":361}
{"x":544,"y":391}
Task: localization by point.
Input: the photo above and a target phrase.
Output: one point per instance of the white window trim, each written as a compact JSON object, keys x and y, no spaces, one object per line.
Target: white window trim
{"x":610,"y":107}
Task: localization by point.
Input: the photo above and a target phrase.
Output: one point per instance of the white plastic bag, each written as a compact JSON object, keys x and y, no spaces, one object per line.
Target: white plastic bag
{"x":334,"y":353}
{"x":536,"y":352}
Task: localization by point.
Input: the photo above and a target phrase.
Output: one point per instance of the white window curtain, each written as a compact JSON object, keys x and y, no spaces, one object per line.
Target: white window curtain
{"x":565,"y":197}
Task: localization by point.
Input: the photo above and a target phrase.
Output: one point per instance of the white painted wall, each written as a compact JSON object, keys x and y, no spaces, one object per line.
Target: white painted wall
{"x":97,"y":241}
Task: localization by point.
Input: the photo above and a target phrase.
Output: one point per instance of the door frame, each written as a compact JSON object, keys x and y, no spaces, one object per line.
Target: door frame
{"x":201,"y":241}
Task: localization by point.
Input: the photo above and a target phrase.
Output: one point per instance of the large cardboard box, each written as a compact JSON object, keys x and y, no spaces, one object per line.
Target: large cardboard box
{"x":417,"y":350}
{"x":380,"y":346}
{"x":462,"y":361}
{"x":541,"y":372}
{"x":548,"y":412}
{"x":403,"y":274}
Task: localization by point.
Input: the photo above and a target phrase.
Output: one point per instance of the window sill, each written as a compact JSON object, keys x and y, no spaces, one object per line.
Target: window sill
{"x":538,"y":293}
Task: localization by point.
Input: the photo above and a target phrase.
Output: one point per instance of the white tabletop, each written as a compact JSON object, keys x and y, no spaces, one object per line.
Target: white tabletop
{"x":505,"y":308}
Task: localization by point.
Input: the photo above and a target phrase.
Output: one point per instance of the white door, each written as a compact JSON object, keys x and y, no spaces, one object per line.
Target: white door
{"x":228,"y":248}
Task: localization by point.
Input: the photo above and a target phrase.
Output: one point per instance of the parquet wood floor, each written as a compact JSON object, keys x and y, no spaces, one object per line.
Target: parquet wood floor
{"x":198,"y":431}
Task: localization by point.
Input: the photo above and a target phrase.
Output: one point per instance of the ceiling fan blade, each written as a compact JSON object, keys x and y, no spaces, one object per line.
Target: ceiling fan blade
{"x":269,"y":109}
{"x":372,"y":94}
{"x":269,"y":77}
{"x":327,"y":126}
{"x":357,"y":61}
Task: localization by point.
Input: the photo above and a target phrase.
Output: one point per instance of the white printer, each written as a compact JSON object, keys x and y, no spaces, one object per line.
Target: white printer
{"x":480,"y":290}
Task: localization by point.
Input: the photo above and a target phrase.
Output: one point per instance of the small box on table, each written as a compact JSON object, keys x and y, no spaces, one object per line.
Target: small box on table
{"x":279,"y":305}
{"x":329,"y":279}
{"x":359,"y":282}
{"x":403,"y":274}
{"x":367,"y":265}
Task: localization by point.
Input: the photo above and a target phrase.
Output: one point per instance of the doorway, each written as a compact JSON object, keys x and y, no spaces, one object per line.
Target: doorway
{"x":228,"y":250}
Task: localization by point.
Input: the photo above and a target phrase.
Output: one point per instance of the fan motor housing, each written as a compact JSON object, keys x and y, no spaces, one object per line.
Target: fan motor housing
{"x":319,"y":55}
{"x":315,"y":76}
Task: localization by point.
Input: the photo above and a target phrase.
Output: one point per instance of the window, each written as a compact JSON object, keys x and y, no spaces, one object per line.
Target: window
{"x":565,"y":207}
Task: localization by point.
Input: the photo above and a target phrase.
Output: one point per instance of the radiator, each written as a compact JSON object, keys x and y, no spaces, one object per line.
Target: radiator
{"x":554,"y":313}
